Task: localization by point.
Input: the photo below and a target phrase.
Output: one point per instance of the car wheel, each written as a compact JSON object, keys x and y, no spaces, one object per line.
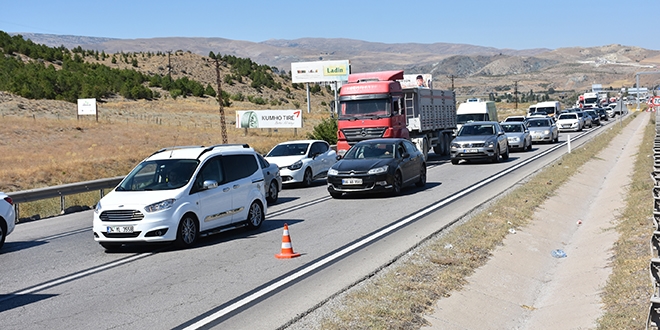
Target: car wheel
{"x":496,"y":156}
{"x":187,"y":233}
{"x":529,"y":146}
{"x":506,"y":154}
{"x":454,"y":161}
{"x":111,"y":246}
{"x":3,"y":235}
{"x":396,"y":185}
{"x":307,"y":178}
{"x":336,"y":195}
{"x":422,"y":177}
{"x":272,"y":192}
{"x":255,"y":216}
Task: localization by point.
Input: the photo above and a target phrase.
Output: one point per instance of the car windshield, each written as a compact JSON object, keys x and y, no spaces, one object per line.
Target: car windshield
{"x":464,"y":118}
{"x":470,"y":130}
{"x":515,"y":119}
{"x":567,"y":116}
{"x":289,"y":149}
{"x":512,"y":128}
{"x":371,"y":151}
{"x":538,"y":123}
{"x":159,"y":175}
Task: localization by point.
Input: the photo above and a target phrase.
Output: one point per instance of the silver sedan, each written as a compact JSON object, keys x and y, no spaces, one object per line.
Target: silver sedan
{"x":518,"y":135}
{"x":543,"y":130}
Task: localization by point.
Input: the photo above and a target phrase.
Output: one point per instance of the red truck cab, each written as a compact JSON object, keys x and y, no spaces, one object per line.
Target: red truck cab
{"x":370,"y":107}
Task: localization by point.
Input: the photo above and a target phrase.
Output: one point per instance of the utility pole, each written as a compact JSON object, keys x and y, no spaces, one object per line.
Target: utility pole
{"x":169,"y":65}
{"x":515,"y":93}
{"x":452,"y":81}
{"x":223,"y":125}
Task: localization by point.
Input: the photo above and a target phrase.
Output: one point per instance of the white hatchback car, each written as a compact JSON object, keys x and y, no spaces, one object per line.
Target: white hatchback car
{"x":302,"y":161}
{"x":7,"y":217}
{"x":180,"y":193}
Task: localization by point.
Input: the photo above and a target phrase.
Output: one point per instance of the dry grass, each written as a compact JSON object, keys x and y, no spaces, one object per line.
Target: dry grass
{"x":399,"y":297}
{"x":626,"y":295}
{"x":52,"y":147}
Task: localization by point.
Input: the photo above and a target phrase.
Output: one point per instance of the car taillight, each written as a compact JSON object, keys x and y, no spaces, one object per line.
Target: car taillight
{"x":9,"y":200}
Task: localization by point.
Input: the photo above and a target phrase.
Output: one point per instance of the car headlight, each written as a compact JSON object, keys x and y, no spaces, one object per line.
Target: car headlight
{"x":160,"y":206}
{"x":332,"y":171}
{"x":514,"y":139}
{"x":378,"y":170}
{"x":490,"y":144}
{"x":455,"y":145}
{"x":295,"y":166}
{"x":546,"y":132}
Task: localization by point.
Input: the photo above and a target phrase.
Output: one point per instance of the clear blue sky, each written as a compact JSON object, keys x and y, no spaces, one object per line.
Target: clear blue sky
{"x":501,"y":24}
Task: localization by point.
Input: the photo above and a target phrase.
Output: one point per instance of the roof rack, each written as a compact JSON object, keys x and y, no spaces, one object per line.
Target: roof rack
{"x":174,"y":148}
{"x":209,"y":148}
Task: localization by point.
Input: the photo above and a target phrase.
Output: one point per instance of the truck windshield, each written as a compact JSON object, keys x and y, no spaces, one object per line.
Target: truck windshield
{"x":372,"y":108}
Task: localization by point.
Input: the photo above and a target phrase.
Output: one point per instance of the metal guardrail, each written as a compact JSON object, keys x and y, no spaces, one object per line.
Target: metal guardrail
{"x":61,"y":191}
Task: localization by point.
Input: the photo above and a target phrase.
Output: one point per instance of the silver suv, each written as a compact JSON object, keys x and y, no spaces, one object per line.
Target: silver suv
{"x":480,"y":140}
{"x":180,"y":193}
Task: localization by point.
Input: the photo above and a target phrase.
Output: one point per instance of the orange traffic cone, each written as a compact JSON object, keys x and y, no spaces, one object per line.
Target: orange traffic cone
{"x":287,"y":248}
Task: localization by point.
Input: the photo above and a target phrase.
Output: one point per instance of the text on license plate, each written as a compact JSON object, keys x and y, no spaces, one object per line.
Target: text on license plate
{"x":351,"y":181}
{"x":470,"y":151}
{"x":119,"y":229}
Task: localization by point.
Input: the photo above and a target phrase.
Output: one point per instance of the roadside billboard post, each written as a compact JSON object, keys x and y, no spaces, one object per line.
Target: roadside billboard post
{"x":320,"y":71}
{"x":87,"y":107}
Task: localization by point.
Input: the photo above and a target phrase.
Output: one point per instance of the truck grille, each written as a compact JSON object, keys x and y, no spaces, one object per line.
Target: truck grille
{"x":121,"y":215}
{"x":359,"y":134}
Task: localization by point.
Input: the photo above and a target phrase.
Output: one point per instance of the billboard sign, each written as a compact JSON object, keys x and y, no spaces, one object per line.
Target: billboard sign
{"x":417,"y":80}
{"x":269,"y":119}
{"x":320,"y":71}
{"x":86,"y":107}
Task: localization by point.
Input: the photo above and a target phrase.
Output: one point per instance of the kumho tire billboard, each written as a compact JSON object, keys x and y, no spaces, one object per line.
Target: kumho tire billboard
{"x":269,"y":119}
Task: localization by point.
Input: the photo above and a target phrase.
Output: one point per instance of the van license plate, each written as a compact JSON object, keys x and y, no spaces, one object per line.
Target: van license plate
{"x":119,"y":229}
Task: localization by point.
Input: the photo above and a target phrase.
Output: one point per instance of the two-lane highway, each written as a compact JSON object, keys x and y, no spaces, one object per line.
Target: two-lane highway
{"x":55,"y":276}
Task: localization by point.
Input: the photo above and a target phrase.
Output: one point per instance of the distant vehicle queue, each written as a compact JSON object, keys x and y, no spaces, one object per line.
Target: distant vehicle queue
{"x":386,"y":130}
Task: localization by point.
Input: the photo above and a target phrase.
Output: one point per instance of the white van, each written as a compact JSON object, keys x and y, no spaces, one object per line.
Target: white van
{"x":475,"y":110}
{"x":551,"y":108}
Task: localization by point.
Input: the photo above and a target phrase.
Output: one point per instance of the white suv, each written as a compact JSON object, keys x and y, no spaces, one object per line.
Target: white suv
{"x":180,"y":193}
{"x":7,"y":217}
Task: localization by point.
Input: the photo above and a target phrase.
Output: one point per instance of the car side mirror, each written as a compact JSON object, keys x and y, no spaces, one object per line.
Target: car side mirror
{"x":339,"y":157}
{"x":405,"y":155}
{"x":209,"y":184}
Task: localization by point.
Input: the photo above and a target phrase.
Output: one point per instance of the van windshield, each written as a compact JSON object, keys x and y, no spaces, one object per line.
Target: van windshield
{"x":464,"y":118}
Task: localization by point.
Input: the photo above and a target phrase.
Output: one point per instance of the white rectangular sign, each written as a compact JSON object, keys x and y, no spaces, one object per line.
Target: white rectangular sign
{"x":86,"y":107}
{"x":320,"y":71}
{"x":269,"y":119}
{"x":417,"y":80}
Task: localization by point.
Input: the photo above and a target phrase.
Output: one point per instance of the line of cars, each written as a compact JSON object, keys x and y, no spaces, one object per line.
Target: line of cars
{"x":493,"y":141}
{"x":179,"y":194}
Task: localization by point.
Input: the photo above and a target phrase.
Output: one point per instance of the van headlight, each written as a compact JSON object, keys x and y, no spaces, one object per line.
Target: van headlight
{"x":97,"y":209}
{"x":160,"y":206}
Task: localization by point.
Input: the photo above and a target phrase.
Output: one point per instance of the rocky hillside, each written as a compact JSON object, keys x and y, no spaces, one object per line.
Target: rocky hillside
{"x":475,"y":70}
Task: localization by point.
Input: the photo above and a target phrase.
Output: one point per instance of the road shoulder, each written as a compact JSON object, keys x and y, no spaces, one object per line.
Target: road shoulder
{"x":523,"y":285}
